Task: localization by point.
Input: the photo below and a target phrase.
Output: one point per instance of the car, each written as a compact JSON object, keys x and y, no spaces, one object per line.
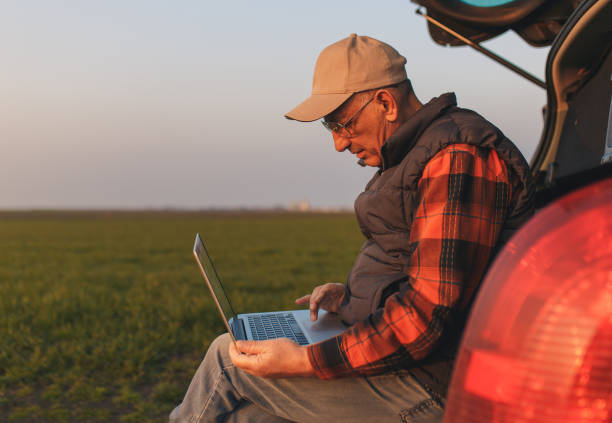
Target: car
{"x":537,"y":346}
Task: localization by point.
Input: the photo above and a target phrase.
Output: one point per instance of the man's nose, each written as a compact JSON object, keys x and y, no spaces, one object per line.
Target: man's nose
{"x":341,"y":143}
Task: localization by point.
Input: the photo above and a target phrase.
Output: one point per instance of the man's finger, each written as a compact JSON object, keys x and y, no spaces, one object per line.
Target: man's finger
{"x":240,"y":360}
{"x":233,"y":351}
{"x":315,"y":303}
{"x":314,"y":311}
{"x":235,"y":354}
{"x":303,"y":300}
{"x":250,"y":347}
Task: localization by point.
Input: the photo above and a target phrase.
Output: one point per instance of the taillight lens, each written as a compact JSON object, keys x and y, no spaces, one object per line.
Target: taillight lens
{"x":538,"y":343}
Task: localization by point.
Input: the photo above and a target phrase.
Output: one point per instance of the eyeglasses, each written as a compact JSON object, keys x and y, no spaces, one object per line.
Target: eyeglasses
{"x":343,"y":128}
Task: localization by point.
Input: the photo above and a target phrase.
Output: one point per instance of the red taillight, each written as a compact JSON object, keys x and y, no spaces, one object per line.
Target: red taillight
{"x":538,"y":343}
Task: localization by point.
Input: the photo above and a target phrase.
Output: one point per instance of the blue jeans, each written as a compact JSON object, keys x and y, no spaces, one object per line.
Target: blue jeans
{"x":220,"y":392}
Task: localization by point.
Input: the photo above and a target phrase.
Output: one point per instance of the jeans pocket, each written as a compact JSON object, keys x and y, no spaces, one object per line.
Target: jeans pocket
{"x":427,"y":411}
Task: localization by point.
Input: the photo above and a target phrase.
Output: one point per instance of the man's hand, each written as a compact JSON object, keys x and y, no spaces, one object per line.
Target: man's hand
{"x":328,"y":297}
{"x":273,"y":358}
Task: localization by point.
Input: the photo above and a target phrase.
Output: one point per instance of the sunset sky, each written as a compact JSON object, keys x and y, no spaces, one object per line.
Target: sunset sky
{"x":154,"y":104}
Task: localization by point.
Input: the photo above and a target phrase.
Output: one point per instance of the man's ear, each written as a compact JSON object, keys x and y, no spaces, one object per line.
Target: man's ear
{"x":388,"y":103}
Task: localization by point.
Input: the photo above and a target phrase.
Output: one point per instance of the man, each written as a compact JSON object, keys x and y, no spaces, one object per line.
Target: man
{"x":450,"y":189}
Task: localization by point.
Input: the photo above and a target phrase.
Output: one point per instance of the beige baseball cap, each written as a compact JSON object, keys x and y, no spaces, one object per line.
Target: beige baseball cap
{"x":354,"y":64}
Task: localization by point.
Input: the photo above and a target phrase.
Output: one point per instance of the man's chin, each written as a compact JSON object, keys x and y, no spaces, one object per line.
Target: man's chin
{"x":369,"y":161}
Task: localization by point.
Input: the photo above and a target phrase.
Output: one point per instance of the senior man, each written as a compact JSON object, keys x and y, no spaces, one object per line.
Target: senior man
{"x":449,"y":191}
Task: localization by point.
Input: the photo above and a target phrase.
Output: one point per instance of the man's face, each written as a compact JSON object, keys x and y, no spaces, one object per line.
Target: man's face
{"x":366,"y":128}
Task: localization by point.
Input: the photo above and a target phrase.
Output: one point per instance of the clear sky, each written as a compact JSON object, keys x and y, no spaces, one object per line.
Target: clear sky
{"x":139,"y":104}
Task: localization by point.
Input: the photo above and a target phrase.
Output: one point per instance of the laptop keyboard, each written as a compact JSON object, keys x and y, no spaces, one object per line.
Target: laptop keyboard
{"x":277,"y":325}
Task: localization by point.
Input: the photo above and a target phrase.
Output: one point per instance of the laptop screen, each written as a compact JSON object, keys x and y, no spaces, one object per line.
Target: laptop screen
{"x":208,"y":269}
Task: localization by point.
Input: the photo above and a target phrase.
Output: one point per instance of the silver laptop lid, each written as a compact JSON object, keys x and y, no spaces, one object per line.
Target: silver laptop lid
{"x":214,"y":283}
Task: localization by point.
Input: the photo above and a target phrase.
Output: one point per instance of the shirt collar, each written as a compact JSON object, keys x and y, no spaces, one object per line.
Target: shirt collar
{"x":403,"y":139}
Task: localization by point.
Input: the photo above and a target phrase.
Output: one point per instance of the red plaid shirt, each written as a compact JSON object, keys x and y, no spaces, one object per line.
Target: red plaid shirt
{"x":464,"y":195}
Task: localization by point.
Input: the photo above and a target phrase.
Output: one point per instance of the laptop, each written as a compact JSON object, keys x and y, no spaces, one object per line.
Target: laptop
{"x":292,"y":324}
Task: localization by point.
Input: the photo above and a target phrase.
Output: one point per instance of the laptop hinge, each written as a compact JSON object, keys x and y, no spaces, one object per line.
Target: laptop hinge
{"x":238,"y":328}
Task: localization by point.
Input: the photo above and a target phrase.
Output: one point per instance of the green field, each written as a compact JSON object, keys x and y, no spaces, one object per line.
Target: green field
{"x":104,"y":315}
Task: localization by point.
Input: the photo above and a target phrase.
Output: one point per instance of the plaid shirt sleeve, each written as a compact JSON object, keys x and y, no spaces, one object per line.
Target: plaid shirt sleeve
{"x":463,"y":195}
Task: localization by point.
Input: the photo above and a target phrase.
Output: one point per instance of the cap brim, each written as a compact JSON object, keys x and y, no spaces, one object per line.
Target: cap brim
{"x":317,"y":106}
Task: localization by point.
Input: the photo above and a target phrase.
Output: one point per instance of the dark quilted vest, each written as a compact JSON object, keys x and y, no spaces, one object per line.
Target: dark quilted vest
{"x":385,"y":209}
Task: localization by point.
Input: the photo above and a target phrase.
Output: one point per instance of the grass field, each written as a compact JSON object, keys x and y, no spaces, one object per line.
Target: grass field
{"x":105,"y":317}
